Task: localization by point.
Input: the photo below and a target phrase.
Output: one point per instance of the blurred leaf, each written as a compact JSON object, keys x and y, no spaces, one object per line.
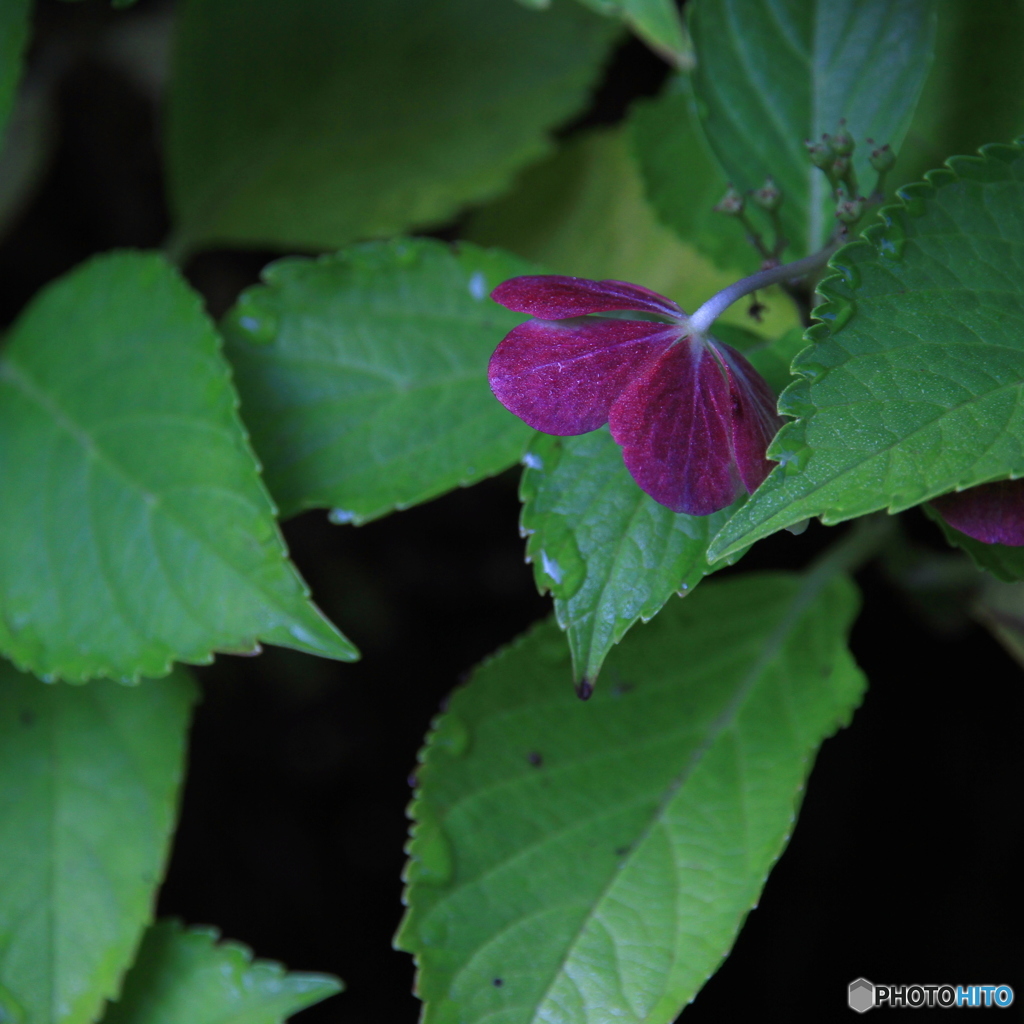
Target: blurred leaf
{"x":627,"y":837}
{"x":187,"y":977}
{"x":89,"y":778}
{"x":609,"y":553}
{"x":999,"y":607}
{"x":134,"y":530}
{"x":14,"y":31}
{"x":364,"y":375}
{"x":312,"y":123}
{"x":584,"y":213}
{"x":656,"y":22}
{"x":974,"y":93}
{"x":772,"y":74}
{"x":1003,"y":561}
{"x":913,"y":386}
{"x":683,"y":181}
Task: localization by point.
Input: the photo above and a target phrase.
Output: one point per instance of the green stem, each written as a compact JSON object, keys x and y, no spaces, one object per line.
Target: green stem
{"x":859,"y":545}
{"x":702,"y":319}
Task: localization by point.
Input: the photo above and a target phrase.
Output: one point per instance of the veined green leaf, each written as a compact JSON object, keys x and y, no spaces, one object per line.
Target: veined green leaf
{"x":586,"y":862}
{"x":609,"y":553}
{"x":770,"y":75}
{"x":583,"y":213}
{"x":14,"y":30}
{"x":188,"y":977}
{"x":312,"y":123}
{"x":89,"y":778}
{"x":134,"y":530}
{"x":364,"y":375}
{"x":913,"y":386}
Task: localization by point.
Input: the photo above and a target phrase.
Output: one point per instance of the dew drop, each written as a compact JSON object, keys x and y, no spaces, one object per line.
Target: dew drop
{"x":341,"y":516}
{"x":532,"y":461}
{"x":255,"y":325}
{"x":478,"y":286}
{"x":550,"y":567}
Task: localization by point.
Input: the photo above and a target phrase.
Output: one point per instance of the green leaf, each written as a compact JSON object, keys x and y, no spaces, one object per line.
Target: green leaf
{"x":772,"y":74}
{"x":1003,"y":561}
{"x":593,"y":861}
{"x":187,"y":977}
{"x":312,"y":123}
{"x":913,"y":386}
{"x":975,"y":90}
{"x":14,"y":30}
{"x":609,"y":553}
{"x":584,"y":213}
{"x":682,"y":179}
{"x":134,"y":530}
{"x":364,"y":375}
{"x":89,"y":778}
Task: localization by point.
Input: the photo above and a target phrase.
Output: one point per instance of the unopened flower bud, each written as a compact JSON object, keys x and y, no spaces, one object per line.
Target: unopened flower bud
{"x":768,"y":196}
{"x":849,"y":211}
{"x":882,"y":159}
{"x":731,"y":203}
{"x":841,"y":167}
{"x":821,"y":153}
{"x":842,"y":141}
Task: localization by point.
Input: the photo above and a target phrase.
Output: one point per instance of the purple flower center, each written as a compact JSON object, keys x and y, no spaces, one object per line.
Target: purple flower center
{"x":693,"y":417}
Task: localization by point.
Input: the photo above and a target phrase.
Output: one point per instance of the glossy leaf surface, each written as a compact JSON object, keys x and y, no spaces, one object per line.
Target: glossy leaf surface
{"x":364,"y":375}
{"x":608,"y":553}
{"x":584,"y":213}
{"x":772,"y":74}
{"x":185,"y":976}
{"x":913,"y":387}
{"x":312,"y":123}
{"x":584,"y":862}
{"x":89,"y":777}
{"x":134,"y":530}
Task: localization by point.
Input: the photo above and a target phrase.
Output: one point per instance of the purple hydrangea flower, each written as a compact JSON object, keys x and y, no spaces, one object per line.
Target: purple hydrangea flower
{"x":692,"y":416}
{"x":992,"y":513}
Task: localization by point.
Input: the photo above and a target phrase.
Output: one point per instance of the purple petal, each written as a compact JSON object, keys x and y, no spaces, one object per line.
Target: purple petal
{"x":553,"y":297}
{"x":562,"y":377}
{"x":674,"y":424}
{"x":755,"y":420}
{"x":991,"y":513}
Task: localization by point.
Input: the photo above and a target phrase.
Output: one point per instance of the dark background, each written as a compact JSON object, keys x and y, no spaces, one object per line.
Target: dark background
{"x":905,"y":866}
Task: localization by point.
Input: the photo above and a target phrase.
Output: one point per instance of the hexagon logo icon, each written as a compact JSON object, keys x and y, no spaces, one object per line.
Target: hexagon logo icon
{"x":861,"y":995}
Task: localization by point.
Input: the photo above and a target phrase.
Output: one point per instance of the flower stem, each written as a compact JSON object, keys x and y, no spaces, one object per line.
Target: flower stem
{"x":701,"y":320}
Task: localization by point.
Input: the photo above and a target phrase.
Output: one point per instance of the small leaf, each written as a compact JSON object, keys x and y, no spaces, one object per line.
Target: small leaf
{"x":584,"y":213}
{"x":188,"y":977}
{"x":134,"y":530}
{"x":770,"y":75}
{"x":14,"y":31}
{"x":627,"y":837}
{"x":364,"y":375}
{"x":913,"y":386}
{"x":311,"y":123}
{"x":89,"y":778}
{"x":609,"y":553}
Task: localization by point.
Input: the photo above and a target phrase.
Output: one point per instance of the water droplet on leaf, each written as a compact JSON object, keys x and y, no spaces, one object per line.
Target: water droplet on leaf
{"x":341,"y":516}
{"x":550,"y":567}
{"x":478,"y":286}
{"x":532,"y":461}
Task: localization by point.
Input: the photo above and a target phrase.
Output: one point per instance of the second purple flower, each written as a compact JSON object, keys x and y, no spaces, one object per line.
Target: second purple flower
{"x":692,"y":416}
